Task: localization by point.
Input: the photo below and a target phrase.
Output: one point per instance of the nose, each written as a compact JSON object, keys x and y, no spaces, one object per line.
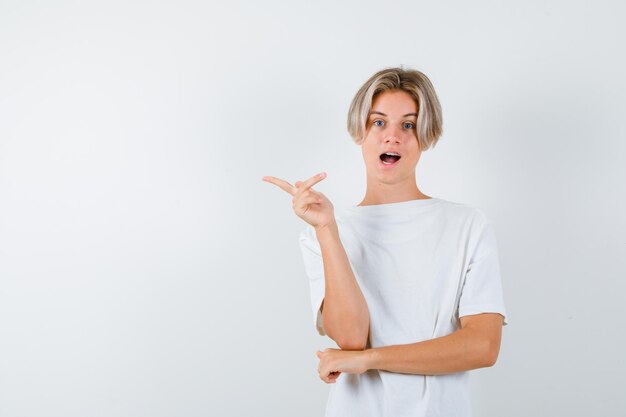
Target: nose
{"x":392,"y":135}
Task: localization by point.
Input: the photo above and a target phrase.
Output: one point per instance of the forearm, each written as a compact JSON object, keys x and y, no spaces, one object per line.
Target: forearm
{"x":345,"y":313}
{"x":459,"y":351}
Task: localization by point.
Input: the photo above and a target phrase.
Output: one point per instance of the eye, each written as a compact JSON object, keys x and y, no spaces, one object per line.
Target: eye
{"x":376,"y":121}
{"x":409,"y":125}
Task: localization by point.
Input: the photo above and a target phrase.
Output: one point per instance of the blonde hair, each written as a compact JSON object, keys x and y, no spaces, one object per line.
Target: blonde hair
{"x":428,"y":128}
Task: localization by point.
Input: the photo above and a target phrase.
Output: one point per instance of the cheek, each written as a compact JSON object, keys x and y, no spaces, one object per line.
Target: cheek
{"x":368,"y":153}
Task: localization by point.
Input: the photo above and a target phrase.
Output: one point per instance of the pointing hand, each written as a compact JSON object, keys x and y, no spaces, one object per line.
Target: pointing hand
{"x":311,"y":206}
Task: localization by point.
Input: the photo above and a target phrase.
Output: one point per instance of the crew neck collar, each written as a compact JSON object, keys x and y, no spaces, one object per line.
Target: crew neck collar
{"x":396,"y":205}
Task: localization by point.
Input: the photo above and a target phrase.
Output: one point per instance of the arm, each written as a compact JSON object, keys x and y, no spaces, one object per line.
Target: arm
{"x":475,"y":345}
{"x":344,"y":309}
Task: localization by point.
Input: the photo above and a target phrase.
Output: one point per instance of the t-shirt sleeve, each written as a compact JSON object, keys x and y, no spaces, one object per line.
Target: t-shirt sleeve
{"x":314,"y":268}
{"x":482,"y":287}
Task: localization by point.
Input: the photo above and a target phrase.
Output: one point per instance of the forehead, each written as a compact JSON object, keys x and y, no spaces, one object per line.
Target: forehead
{"x":393,"y":102}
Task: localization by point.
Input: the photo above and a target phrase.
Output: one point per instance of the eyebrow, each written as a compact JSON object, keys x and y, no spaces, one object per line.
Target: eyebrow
{"x":383,"y":114}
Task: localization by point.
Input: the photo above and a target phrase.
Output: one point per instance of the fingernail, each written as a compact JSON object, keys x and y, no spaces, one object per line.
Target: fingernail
{"x":323,"y":174}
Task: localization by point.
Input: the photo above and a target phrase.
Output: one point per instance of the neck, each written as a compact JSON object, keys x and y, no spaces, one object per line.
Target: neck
{"x":379,"y":192}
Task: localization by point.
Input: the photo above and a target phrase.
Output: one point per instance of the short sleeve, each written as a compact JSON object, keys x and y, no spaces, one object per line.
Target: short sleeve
{"x":482,"y":287}
{"x":314,"y":268}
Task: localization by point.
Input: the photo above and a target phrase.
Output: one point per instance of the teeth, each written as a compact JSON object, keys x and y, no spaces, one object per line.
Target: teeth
{"x":392,"y":153}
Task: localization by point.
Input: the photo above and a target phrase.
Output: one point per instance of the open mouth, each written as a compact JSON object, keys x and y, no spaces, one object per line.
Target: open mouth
{"x":389,"y":158}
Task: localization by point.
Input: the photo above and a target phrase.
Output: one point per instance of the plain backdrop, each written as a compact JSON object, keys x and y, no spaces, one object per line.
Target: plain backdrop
{"x":147,"y":270}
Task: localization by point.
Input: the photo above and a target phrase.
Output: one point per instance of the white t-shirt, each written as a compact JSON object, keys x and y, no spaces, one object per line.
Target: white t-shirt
{"x":421,"y":264}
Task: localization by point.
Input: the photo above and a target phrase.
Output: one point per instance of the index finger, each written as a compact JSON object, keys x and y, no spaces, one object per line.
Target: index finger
{"x":311,"y":181}
{"x":281,"y":183}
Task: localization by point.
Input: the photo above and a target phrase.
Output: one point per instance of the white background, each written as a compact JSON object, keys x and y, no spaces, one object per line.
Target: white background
{"x":145,"y":268}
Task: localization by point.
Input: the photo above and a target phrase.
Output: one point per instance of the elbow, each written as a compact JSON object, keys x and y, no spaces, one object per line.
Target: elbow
{"x":351,"y":338}
{"x":489,"y":361}
{"x":352,"y":342}
{"x":352,"y":345}
{"x":490,"y":355}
